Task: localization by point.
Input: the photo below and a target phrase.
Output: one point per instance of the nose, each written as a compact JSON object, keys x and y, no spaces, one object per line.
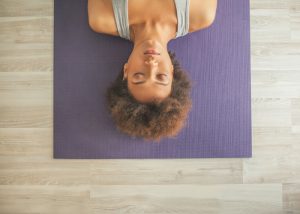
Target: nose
{"x":151,"y":64}
{"x":150,"y":60}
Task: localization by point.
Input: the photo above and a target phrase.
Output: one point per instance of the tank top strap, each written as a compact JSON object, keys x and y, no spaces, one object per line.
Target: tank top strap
{"x":120,"y":8}
{"x":183,"y":11}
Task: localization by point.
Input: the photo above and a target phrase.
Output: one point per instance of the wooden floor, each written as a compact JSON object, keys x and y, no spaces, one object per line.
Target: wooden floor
{"x":31,"y":181}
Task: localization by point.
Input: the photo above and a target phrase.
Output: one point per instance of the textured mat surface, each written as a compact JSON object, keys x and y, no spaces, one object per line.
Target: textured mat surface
{"x":217,"y":59}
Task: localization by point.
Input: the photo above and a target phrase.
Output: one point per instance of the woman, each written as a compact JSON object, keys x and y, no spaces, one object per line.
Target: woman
{"x":150,"y":96}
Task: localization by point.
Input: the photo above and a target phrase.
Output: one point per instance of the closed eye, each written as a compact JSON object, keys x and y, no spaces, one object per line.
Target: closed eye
{"x":162,"y":77}
{"x":160,"y":83}
{"x":137,"y":74}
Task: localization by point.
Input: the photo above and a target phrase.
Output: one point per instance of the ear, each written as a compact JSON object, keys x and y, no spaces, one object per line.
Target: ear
{"x":125,"y":70}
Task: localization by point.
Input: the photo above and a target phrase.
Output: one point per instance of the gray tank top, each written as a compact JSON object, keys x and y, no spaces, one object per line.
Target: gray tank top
{"x":120,"y":8}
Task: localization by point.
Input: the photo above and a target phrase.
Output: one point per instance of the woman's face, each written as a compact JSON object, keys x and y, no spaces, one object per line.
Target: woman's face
{"x":149,"y":76}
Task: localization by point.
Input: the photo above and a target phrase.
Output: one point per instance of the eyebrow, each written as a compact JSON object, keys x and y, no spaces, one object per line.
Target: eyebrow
{"x":136,"y":83}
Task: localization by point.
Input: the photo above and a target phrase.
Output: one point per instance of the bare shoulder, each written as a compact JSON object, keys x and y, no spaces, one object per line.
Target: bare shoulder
{"x":101,"y":17}
{"x":202,"y":14}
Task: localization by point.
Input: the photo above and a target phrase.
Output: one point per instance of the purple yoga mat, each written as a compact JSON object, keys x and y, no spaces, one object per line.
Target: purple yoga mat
{"x":217,"y":59}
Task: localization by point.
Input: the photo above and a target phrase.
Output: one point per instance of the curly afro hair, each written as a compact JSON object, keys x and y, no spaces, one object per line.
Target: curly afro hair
{"x":152,"y":120}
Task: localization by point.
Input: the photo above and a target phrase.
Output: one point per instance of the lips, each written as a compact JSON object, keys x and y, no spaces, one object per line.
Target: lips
{"x":152,"y":52}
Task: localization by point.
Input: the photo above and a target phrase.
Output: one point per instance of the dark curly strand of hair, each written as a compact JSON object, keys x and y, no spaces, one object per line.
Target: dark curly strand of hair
{"x":152,"y":120}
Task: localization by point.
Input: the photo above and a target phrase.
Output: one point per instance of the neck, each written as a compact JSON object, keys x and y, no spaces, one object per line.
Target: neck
{"x":156,"y":31}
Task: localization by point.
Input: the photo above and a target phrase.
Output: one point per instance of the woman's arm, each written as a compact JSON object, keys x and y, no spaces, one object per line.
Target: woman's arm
{"x":101,"y":17}
{"x":94,"y":14}
{"x":202,"y":13}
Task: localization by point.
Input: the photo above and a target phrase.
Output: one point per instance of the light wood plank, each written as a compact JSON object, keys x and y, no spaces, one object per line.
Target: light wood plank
{"x":12,"y":8}
{"x":26,"y":144}
{"x":175,"y":171}
{"x":291,"y":198}
{"x":26,"y":99}
{"x":44,"y":199}
{"x":26,"y":44}
{"x":53,"y":172}
{"x":250,"y":198}
{"x":275,"y":84}
{"x":272,"y":112}
{"x":275,"y":160}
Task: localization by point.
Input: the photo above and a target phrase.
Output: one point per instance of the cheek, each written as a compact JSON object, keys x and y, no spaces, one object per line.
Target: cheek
{"x":130,"y":88}
{"x":135,"y":65}
{"x":170,"y":92}
{"x":136,"y":58}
